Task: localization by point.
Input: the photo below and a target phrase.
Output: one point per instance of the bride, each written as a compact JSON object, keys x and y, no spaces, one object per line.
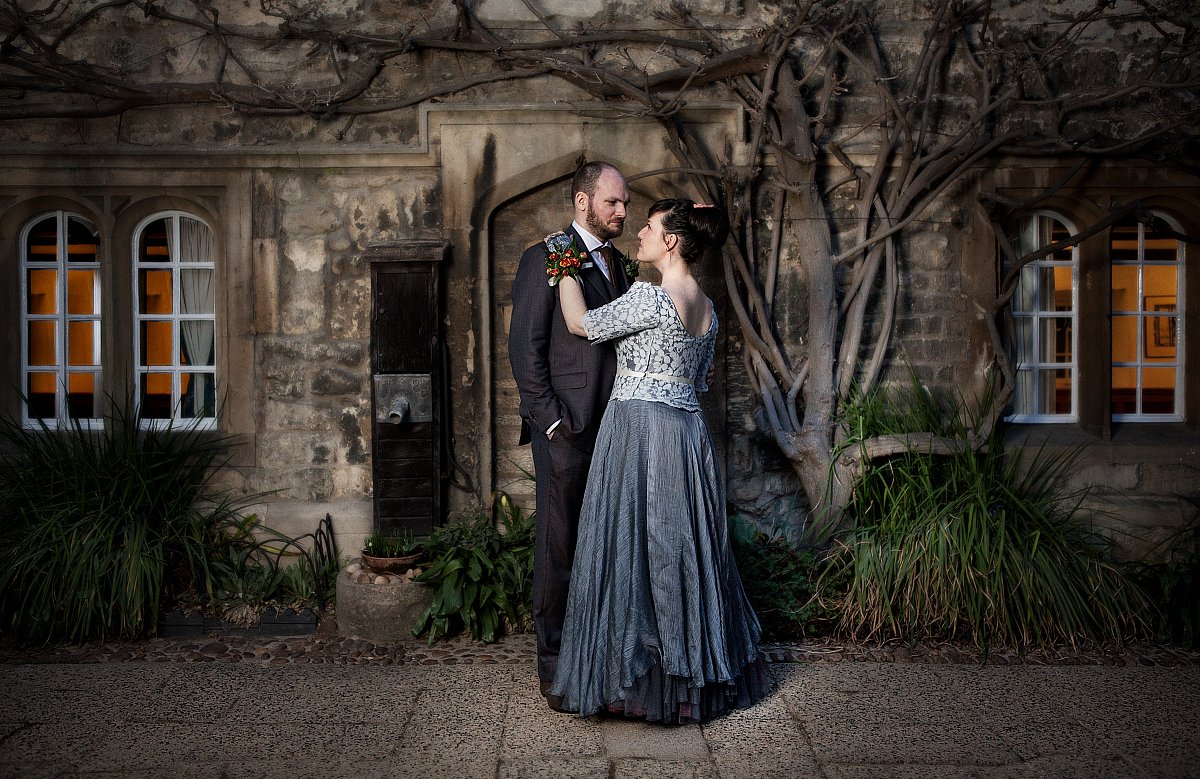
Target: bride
{"x":658,"y":625}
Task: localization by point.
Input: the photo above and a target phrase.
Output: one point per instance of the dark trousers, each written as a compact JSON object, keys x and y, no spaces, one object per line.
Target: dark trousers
{"x":561,"y":472}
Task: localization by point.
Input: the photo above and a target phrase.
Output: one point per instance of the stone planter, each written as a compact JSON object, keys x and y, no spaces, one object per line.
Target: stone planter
{"x":379,"y":607}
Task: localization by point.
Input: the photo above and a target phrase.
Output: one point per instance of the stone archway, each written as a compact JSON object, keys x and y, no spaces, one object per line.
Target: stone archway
{"x":505,"y":176}
{"x":515,"y":225}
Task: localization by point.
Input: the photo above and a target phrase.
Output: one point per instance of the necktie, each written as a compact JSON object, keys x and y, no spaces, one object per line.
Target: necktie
{"x":610,"y":257}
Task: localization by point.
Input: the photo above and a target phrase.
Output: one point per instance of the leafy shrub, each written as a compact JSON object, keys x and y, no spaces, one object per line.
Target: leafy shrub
{"x":482,"y":567}
{"x":252,"y":566}
{"x":974,"y":544}
{"x":96,"y":521}
{"x":1173,"y":585}
{"x":104,"y":528}
{"x":781,"y":581}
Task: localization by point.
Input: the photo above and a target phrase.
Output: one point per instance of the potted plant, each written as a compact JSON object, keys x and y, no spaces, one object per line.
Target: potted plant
{"x":391,"y":554}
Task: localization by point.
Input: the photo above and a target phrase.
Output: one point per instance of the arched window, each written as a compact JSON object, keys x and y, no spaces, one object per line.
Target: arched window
{"x":1147,"y":317}
{"x":60,"y":318}
{"x":175,"y":317}
{"x":1043,"y":333}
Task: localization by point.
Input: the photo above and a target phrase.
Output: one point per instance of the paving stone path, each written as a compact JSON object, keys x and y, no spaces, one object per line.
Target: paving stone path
{"x":339,"y":708}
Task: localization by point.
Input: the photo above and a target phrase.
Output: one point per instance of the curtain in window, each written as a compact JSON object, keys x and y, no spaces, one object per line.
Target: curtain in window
{"x":197,"y":297}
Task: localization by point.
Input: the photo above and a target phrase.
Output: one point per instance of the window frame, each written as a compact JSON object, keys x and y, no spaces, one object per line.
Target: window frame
{"x":1036,"y":316}
{"x":1090,"y":202}
{"x":1141,"y":318}
{"x":62,"y":318}
{"x":115,"y":192}
{"x":176,"y":266}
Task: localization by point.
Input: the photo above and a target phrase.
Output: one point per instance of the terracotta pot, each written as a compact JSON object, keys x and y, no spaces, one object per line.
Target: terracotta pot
{"x":390,"y":564}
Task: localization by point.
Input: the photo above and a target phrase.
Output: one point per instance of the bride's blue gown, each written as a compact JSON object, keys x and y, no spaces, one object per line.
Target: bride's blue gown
{"x":658,"y":625}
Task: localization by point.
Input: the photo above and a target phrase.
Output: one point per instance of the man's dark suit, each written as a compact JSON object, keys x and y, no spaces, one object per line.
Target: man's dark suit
{"x":559,"y":376}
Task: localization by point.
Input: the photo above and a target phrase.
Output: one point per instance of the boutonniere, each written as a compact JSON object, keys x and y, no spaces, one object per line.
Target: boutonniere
{"x":563,"y":258}
{"x":631,"y":267}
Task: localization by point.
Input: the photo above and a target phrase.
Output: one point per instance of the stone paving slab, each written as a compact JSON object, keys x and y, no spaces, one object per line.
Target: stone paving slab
{"x":482,"y":716}
{"x":326,"y":647}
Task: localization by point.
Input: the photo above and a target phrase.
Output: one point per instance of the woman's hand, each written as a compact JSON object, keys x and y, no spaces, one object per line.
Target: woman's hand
{"x":570,"y":300}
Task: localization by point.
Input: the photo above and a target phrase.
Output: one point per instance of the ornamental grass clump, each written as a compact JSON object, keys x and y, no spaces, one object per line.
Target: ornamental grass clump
{"x":975,"y":545}
{"x":98,"y":521}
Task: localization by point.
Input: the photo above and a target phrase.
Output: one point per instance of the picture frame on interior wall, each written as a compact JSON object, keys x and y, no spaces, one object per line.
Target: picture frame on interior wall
{"x":1160,"y":332}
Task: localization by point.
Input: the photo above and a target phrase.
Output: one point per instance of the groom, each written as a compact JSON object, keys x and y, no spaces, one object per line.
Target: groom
{"x":564,"y":383}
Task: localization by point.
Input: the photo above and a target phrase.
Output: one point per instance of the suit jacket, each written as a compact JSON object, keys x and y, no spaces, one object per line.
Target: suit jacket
{"x":560,"y":375}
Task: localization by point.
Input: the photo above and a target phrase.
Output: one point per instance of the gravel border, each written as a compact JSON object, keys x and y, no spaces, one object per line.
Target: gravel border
{"x":327,"y":647}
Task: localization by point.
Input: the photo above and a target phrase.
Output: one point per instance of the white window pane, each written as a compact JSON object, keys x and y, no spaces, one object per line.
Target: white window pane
{"x":1054,"y":392}
{"x":154,"y":292}
{"x":1025,"y":298}
{"x":43,"y":342}
{"x":1023,"y":396}
{"x":196,"y":293}
{"x":1064,"y":284}
{"x":83,"y":343}
{"x":1158,"y":391}
{"x":1125,"y":339}
{"x":1056,"y":339}
{"x":1161,"y":249}
{"x":41,"y":291}
{"x":81,"y":292}
{"x":199,"y":395}
{"x":1125,"y":238}
{"x":154,"y":397}
{"x":1026,"y":353}
{"x":1161,"y":338}
{"x":1124,"y":390}
{"x":156,"y":344}
{"x":195,"y":241}
{"x":41,"y":242}
{"x":154,"y":242}
{"x":1048,"y":296}
{"x":81,"y":395}
{"x":41,"y":391}
{"x":1159,"y":280}
{"x":83,"y":243}
{"x":1125,"y":288}
{"x":196,"y":342}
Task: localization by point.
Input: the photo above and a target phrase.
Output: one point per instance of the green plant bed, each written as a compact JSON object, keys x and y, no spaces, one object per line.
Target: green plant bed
{"x":1173,"y":584}
{"x":106,"y":528}
{"x":482,"y":568}
{"x":974,"y":545}
{"x":784,"y":583}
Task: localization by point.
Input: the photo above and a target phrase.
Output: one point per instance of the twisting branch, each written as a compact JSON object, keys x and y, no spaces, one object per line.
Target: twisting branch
{"x":850,"y":137}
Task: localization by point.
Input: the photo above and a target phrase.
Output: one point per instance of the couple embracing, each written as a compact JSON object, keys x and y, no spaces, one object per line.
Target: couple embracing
{"x":637,"y":604}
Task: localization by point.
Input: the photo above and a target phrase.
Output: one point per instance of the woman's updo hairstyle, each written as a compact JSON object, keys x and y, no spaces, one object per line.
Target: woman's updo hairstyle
{"x":700,"y":228}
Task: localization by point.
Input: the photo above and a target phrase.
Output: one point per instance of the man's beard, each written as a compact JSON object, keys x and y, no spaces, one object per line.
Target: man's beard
{"x":599,"y":229}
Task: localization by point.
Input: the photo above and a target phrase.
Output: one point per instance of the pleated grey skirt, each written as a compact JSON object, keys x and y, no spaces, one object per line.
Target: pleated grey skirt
{"x":658,"y":625}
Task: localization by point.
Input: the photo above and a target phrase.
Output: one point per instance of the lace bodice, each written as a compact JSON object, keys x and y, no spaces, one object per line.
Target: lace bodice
{"x":657,"y":358}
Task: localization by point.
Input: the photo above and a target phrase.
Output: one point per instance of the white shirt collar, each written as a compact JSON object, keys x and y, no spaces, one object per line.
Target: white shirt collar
{"x":590,"y":242}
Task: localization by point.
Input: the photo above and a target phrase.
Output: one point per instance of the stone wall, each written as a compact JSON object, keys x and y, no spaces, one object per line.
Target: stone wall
{"x":299,"y":200}
{"x":312,"y":381}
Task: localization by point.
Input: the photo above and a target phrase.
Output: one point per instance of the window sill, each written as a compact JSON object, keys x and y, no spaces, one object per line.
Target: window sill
{"x":1154,"y":443}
